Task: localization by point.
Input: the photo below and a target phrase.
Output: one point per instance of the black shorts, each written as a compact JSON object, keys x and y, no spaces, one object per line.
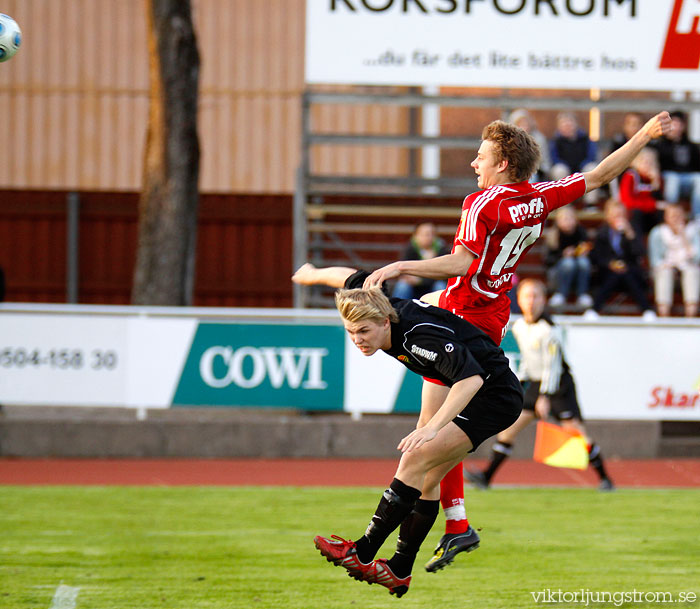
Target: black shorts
{"x":563,"y":404}
{"x":495,"y":407}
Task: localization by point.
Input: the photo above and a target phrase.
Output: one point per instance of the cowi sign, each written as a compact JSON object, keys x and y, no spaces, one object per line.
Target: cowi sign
{"x":576,"y":44}
{"x":264,"y":365}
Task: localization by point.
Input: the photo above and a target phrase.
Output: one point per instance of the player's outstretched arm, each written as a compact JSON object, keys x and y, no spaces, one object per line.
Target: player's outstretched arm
{"x":615,"y":163}
{"x":332,"y":276}
{"x":451,"y":265}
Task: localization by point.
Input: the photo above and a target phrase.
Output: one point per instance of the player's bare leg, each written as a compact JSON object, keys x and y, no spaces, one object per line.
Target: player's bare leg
{"x":449,"y":446}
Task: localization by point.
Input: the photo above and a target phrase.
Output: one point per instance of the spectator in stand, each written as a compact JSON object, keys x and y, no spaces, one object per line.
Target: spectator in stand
{"x":631,"y":123}
{"x":679,"y":159}
{"x":617,"y":254}
{"x":522,"y":118}
{"x":674,"y":245}
{"x":571,"y":150}
{"x":640,"y":191}
{"x":568,"y":247}
{"x":423,"y":245}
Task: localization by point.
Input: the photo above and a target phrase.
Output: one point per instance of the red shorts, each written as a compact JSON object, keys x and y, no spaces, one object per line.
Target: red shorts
{"x":492,"y":320}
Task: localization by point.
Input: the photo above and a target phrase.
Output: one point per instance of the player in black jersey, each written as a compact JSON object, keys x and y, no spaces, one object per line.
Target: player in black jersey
{"x":484,"y":398}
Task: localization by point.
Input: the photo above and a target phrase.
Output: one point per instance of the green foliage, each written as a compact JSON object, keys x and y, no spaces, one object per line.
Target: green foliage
{"x":245,"y":547}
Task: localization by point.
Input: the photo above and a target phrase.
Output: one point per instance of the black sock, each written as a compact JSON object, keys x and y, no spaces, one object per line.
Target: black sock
{"x":396,"y":503}
{"x":414,"y":529}
{"x":595,"y":458}
{"x":500,"y":452}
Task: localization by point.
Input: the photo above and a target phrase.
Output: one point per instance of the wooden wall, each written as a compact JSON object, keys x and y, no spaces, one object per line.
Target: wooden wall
{"x":74,"y":100}
{"x":243,"y":250}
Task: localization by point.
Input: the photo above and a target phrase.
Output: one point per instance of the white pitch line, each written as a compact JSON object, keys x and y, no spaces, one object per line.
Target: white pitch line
{"x":65,"y":597}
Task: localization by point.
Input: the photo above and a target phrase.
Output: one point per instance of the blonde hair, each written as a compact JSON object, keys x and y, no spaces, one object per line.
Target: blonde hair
{"x":359,"y":305}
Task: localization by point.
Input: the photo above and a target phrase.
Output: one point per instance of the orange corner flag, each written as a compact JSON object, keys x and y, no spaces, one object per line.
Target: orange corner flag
{"x":560,"y":447}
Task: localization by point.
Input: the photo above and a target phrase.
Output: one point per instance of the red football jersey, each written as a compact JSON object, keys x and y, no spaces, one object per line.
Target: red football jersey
{"x":498,"y":225}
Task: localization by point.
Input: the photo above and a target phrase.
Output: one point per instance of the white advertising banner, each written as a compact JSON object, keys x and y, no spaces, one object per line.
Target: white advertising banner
{"x":561,"y":44}
{"x":87,"y":360}
{"x":75,"y":360}
{"x":636,"y":372}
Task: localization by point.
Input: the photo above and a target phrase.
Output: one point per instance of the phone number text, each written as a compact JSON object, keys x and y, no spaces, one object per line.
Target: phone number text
{"x":62,"y":359}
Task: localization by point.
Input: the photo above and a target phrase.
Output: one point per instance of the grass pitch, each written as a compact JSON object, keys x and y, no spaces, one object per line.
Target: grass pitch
{"x":216,"y":548}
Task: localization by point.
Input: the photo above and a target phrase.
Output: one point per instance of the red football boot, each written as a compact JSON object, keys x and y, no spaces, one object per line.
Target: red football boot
{"x":381,"y":573}
{"x":342,"y":553}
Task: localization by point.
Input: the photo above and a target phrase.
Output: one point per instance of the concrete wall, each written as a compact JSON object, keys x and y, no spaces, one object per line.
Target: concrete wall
{"x":100,"y":432}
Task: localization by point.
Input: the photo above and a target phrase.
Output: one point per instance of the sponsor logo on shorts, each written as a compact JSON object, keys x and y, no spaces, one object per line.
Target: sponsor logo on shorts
{"x":424,"y":353}
{"x":449,"y":347}
{"x":682,"y":46}
{"x":404,"y":358}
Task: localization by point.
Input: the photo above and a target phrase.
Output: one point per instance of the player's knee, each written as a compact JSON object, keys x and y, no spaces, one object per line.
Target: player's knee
{"x":431,"y":482}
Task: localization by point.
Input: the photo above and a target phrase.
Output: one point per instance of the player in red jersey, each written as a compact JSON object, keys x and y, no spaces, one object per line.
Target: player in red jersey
{"x":499,"y":224}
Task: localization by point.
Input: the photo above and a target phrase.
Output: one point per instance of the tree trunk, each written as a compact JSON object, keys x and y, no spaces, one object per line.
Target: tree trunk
{"x":164,"y":273}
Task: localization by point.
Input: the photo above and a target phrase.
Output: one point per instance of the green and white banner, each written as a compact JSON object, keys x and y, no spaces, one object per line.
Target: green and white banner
{"x":277,"y":365}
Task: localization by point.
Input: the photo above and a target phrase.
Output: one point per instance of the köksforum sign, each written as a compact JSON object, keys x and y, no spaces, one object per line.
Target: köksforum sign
{"x":577,"y":44}
{"x":137,"y":357}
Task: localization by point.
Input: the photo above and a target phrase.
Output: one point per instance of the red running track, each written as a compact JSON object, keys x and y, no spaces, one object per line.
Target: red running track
{"x":662,"y":473}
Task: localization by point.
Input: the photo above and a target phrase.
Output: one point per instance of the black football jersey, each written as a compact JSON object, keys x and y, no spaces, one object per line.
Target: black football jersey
{"x":437,"y":344}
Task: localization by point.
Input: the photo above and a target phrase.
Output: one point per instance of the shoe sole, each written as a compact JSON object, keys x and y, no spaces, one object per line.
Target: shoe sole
{"x":399,"y":591}
{"x":441,"y":563}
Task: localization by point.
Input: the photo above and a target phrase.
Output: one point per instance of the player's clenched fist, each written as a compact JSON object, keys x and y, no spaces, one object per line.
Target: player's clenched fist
{"x":659,"y":125}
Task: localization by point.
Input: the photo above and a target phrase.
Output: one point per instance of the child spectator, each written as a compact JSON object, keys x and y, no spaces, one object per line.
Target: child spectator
{"x":674,"y":245}
{"x":640,"y":190}
{"x":617,"y":253}
{"x":568,"y":246}
{"x":423,"y":245}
